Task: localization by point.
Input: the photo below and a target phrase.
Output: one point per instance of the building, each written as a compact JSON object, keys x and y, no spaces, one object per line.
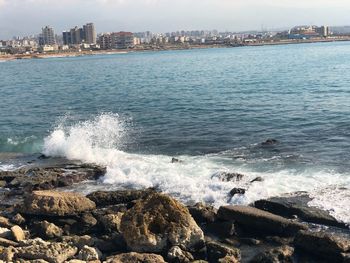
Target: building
{"x":122,"y":40}
{"x":323,"y":31}
{"x":47,"y":36}
{"x":105,"y":41}
{"x":77,"y":35}
{"x":89,"y":33}
{"x":67,"y":38}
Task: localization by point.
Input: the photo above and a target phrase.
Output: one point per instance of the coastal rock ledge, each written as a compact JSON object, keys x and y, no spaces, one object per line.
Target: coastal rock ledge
{"x":159,"y":222}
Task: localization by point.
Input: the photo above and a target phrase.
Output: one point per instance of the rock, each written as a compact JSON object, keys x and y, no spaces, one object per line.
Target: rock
{"x":51,"y":203}
{"x":297,"y":204}
{"x":89,"y":253}
{"x":175,"y":160}
{"x":239,"y":191}
{"x":257,"y":179}
{"x":51,"y":252}
{"x":7,"y":254}
{"x":220,"y":228}
{"x":276,"y":255}
{"x":4,"y":222}
{"x":228,"y":259}
{"x":111,"y":243}
{"x":48,"y":230}
{"x":111,"y":222}
{"x":88,"y":220}
{"x":157,"y":222}
{"x":136,"y":258}
{"x":106,"y":198}
{"x":217,"y":251}
{"x":18,"y":219}
{"x":202,"y":213}
{"x":176,"y":254}
{"x":3,"y":183}
{"x":17,"y":233}
{"x":262,"y":221}
{"x":228,"y":177}
{"x":5,"y":232}
{"x":6,"y":243}
{"x":323,"y":244}
{"x":79,"y":241}
{"x":270,"y":142}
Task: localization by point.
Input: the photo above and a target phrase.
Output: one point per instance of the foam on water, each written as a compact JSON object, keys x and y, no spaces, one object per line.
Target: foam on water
{"x":99,"y":140}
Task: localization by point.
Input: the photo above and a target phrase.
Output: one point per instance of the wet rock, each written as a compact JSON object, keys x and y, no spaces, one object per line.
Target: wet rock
{"x":297,"y":204}
{"x":111,"y":222}
{"x":202,"y":213}
{"x":135,"y":258}
{"x":175,"y":160}
{"x":17,"y":233}
{"x":264,"y":222}
{"x":177,"y":255}
{"x":257,"y":179}
{"x":270,"y":142}
{"x":51,"y":203}
{"x":51,"y":252}
{"x":157,"y":222}
{"x":239,"y":191}
{"x":48,"y":230}
{"x":276,"y":255}
{"x":106,"y":198}
{"x":228,"y":177}
{"x":89,"y":253}
{"x":323,"y":245}
{"x":217,"y":251}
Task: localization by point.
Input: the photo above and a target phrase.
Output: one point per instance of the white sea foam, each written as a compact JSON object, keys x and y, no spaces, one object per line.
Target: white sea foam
{"x":97,"y":141}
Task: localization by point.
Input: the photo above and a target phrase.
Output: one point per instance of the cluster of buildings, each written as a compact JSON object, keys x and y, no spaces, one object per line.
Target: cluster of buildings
{"x":86,"y":38}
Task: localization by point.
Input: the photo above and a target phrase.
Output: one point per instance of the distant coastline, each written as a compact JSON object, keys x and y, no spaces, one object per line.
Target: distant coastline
{"x":62,"y":54}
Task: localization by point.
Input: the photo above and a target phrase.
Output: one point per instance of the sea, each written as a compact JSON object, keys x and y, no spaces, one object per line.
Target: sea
{"x":212,"y":109}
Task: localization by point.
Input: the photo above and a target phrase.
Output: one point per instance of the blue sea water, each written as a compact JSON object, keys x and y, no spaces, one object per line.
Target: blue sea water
{"x":212,"y":108}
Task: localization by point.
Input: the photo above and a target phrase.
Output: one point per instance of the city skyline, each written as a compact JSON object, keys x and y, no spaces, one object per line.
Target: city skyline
{"x":26,"y":16}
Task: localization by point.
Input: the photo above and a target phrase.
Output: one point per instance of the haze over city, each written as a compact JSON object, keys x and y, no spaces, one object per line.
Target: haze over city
{"x":24,"y":17}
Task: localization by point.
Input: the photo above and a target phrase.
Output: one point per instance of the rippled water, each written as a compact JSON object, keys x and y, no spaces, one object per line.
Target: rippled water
{"x":211,"y":108}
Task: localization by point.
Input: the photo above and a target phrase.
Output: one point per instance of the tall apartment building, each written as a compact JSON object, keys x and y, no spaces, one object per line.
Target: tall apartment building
{"x":122,"y":40}
{"x":47,"y":36}
{"x":89,"y":33}
{"x":105,"y":41}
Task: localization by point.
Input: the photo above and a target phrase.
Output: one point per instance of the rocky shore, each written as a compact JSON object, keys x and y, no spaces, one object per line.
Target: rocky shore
{"x":41,"y":221}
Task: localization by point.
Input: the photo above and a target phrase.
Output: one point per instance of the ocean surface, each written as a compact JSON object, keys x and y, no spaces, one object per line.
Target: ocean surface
{"x":210,"y":108}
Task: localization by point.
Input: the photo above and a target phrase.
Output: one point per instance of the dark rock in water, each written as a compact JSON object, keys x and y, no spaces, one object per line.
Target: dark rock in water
{"x":298,"y":205}
{"x":133,"y":257}
{"x":257,"y":179}
{"x":51,"y":203}
{"x":217,"y":251}
{"x":323,"y":245}
{"x":157,"y":222}
{"x":202,"y":213}
{"x":264,"y":222}
{"x":107,"y":198}
{"x":228,"y":177}
{"x":270,"y":142}
{"x":175,"y":160}
{"x":239,"y":191}
{"x":276,"y":255}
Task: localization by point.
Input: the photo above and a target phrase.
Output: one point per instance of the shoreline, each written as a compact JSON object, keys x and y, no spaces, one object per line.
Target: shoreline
{"x":7,"y":57}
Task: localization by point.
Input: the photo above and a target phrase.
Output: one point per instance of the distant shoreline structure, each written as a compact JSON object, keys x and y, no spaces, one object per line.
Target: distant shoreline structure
{"x":63,"y":54}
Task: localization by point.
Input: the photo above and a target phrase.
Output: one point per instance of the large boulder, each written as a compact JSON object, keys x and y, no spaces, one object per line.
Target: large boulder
{"x":159,"y":222}
{"x":51,"y":203}
{"x":323,"y":245}
{"x":255,"y":219}
{"x":135,"y":258}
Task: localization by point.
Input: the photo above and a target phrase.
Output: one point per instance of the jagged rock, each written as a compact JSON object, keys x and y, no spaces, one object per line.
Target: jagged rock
{"x":111,"y":243}
{"x":239,"y":191}
{"x":18,"y":219}
{"x":276,"y":255}
{"x":136,"y":258}
{"x":262,"y":221}
{"x":88,"y":220}
{"x":17,"y":233}
{"x":176,"y":254}
{"x":217,"y":251}
{"x":228,"y":177}
{"x":48,"y":230}
{"x":106,"y":198}
{"x":111,"y":222}
{"x":4,"y":222}
{"x":297,"y":204}
{"x":7,"y":254}
{"x":51,"y":203}
{"x":323,"y":244}
{"x":79,"y":241}
{"x":158,"y":221}
{"x":51,"y":252}
{"x":202,"y":213}
{"x":6,"y":243}
{"x":89,"y":253}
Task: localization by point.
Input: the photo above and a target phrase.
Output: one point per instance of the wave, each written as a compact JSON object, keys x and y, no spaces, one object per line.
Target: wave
{"x":99,"y":141}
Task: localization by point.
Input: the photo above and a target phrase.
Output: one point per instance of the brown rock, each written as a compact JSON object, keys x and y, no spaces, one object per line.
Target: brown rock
{"x":202,"y":213}
{"x":51,"y":203}
{"x":276,"y":255}
{"x":176,"y":254}
{"x":136,"y":258}
{"x":111,"y":222}
{"x":18,"y":233}
{"x":6,"y":243}
{"x":48,"y":230}
{"x":217,"y":251}
{"x":157,"y":222}
{"x":18,"y":219}
{"x":4,"y":222}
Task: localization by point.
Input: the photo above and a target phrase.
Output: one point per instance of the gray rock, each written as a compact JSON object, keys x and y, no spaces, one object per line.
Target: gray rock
{"x":228,"y":177}
{"x":202,"y":213}
{"x":176,"y":254}
{"x":239,"y":191}
{"x":89,"y":253}
{"x":259,"y":220}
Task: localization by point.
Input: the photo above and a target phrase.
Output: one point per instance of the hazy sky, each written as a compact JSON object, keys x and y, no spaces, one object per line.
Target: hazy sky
{"x":22,"y":17}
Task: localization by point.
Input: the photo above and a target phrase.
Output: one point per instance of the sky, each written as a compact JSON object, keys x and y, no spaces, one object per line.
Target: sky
{"x":26,"y":17}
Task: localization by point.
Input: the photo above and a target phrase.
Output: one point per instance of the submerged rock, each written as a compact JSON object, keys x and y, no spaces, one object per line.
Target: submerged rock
{"x":136,"y":258}
{"x":270,"y":142}
{"x":157,"y":222}
{"x":228,"y":177}
{"x":255,"y":219}
{"x":239,"y":191}
{"x":51,"y":203}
